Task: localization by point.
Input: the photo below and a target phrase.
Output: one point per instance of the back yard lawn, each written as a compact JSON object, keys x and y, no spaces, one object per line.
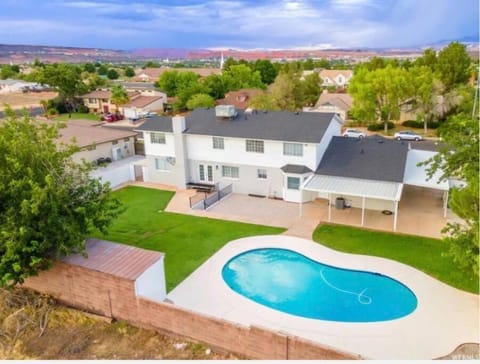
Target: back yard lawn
{"x":187,"y":241}
{"x":424,"y":254}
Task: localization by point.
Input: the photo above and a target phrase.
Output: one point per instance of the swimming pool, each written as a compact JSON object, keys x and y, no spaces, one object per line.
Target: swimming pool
{"x":292,"y":283}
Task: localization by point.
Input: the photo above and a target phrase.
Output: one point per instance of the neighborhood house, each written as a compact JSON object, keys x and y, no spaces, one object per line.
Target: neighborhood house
{"x":298,"y":157}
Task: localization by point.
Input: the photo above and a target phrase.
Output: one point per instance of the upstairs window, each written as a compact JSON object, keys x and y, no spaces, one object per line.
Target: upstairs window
{"x":255,"y":146}
{"x":295,"y":149}
{"x":218,"y":143}
{"x":157,"y":138}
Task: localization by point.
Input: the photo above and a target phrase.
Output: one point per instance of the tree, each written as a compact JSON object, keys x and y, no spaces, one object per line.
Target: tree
{"x":428,"y":59}
{"x":458,"y":158}
{"x":67,"y":80}
{"x":453,"y":65}
{"x":378,"y":94}
{"x":9,"y":71}
{"x":228,"y":63}
{"x":50,"y":205}
{"x":89,"y":67}
{"x":102,"y":70}
{"x":200,"y":100}
{"x":167,"y":82}
{"x":422,"y":81}
{"x":216,"y":85}
{"x":129,"y":72}
{"x":241,"y":76}
{"x":119,"y":96}
{"x":266,"y":69}
{"x":264,"y":101}
{"x":112,"y":74}
{"x":311,"y":89}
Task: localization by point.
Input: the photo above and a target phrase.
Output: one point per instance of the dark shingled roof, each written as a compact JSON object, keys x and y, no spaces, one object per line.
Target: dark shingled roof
{"x":295,"y":168}
{"x":373,"y":158}
{"x":272,"y":125}
{"x":157,"y":123}
{"x":116,"y":259}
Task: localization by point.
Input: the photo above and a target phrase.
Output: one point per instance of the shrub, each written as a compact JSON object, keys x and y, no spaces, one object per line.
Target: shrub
{"x":381,"y":126}
{"x":419,"y":124}
{"x":82,"y":109}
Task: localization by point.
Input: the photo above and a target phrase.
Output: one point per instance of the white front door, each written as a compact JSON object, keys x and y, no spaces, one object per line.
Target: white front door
{"x":205,"y":173}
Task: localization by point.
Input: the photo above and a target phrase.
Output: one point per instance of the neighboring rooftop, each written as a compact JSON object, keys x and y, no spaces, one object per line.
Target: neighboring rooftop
{"x":240,"y":99}
{"x":341,"y":100}
{"x":334,"y":73}
{"x":155,"y":73}
{"x":142,"y":101}
{"x":86,"y":134}
{"x":111,"y":258}
{"x":106,"y":94}
{"x":272,"y":125}
{"x":138,"y":86}
{"x":372,"y":158}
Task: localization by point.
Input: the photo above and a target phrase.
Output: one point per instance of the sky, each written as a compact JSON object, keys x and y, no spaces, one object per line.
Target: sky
{"x":242,"y":24}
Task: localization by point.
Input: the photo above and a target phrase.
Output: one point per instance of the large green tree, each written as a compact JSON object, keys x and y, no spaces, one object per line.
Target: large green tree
{"x":217,"y":86}
{"x":241,"y":76}
{"x":311,"y":89}
{"x":266,"y":69}
{"x":459,"y":159}
{"x":200,"y":100}
{"x":49,"y":204}
{"x":67,"y":80}
{"x":378,"y":94}
{"x":453,"y":65}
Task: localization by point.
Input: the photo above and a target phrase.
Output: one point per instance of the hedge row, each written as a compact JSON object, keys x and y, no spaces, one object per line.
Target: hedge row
{"x":419,"y":124}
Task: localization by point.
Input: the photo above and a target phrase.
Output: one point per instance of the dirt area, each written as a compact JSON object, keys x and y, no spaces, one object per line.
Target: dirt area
{"x":34,"y":326}
{"x":18,"y":99}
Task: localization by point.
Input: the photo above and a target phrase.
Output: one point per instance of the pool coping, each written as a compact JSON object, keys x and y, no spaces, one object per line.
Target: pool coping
{"x":445,"y":317}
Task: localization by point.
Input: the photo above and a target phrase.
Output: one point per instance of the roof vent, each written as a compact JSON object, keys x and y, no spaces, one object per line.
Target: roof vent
{"x":249,"y":110}
{"x":225,"y":111}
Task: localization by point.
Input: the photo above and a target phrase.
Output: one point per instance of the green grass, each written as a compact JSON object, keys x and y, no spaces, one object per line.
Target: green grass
{"x":187,"y":241}
{"x":78,"y":115}
{"x":425,"y":254}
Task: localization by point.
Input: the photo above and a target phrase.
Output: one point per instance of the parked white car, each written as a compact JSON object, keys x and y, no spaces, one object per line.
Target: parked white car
{"x":407,"y":135}
{"x":353,"y":133}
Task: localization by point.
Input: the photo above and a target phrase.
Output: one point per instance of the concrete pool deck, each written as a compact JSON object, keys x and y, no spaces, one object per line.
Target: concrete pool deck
{"x":444,"y":318}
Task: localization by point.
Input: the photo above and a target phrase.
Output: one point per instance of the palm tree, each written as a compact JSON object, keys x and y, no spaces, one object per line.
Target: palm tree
{"x":119,"y":96}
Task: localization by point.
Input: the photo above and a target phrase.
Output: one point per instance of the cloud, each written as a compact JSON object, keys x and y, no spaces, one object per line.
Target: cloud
{"x":127,"y":24}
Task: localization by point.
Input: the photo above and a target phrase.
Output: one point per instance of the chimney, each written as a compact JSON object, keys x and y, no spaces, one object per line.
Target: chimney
{"x":181,"y":165}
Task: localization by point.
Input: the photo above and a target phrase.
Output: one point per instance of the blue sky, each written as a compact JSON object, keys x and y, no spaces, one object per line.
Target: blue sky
{"x":132,"y":24}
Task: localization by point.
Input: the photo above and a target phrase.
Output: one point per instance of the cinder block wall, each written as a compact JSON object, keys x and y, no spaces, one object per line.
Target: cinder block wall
{"x":114,"y":297}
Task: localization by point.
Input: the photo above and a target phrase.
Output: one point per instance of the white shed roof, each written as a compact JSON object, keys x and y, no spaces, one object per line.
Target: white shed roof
{"x":354,"y":187}
{"x":417,"y":175}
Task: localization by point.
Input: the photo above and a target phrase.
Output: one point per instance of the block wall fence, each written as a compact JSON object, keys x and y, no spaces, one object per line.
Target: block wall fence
{"x":112,"y":296}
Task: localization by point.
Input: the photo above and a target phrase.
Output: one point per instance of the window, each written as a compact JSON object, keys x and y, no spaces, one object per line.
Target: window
{"x":161,"y":164}
{"x":157,"y":138}
{"x":262,"y":173}
{"x":295,"y":149}
{"x":218,"y":143}
{"x":255,"y":146}
{"x":230,"y":172}
{"x":114,"y":142}
{"x":92,"y":101}
{"x":293,"y":183}
{"x":92,"y":147}
{"x":126,"y":139}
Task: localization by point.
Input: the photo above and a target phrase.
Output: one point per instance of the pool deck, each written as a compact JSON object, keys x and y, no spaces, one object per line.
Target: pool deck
{"x":444,"y":318}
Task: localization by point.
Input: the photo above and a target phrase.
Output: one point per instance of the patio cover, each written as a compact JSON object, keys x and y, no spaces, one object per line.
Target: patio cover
{"x":417,"y":175}
{"x":382,"y":190}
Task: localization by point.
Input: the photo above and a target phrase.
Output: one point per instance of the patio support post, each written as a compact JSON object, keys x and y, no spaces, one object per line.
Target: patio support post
{"x":329,"y":207}
{"x":363,"y":210}
{"x":445,"y":203}
{"x":395,"y":216}
{"x":301,"y":203}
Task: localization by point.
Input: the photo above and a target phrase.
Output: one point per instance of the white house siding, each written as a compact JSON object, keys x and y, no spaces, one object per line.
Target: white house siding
{"x":154,"y":149}
{"x":104,"y":150}
{"x":200,"y":148}
{"x":118,"y":172}
{"x":247,"y":181}
{"x":334,"y":129}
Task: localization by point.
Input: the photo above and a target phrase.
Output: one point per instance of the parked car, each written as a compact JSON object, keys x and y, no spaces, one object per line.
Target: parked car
{"x":407,"y":135}
{"x":353,"y":133}
{"x":112,"y":117}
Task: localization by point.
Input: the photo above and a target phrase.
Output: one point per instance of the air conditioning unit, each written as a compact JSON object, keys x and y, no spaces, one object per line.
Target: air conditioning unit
{"x":171,"y":160}
{"x":117,"y":153}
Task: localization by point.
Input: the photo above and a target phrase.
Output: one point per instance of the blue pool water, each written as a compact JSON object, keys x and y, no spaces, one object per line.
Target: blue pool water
{"x":290,"y":282}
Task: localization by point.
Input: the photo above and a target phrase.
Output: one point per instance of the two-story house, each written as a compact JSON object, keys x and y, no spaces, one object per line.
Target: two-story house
{"x":335,"y":78}
{"x":259,"y":153}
